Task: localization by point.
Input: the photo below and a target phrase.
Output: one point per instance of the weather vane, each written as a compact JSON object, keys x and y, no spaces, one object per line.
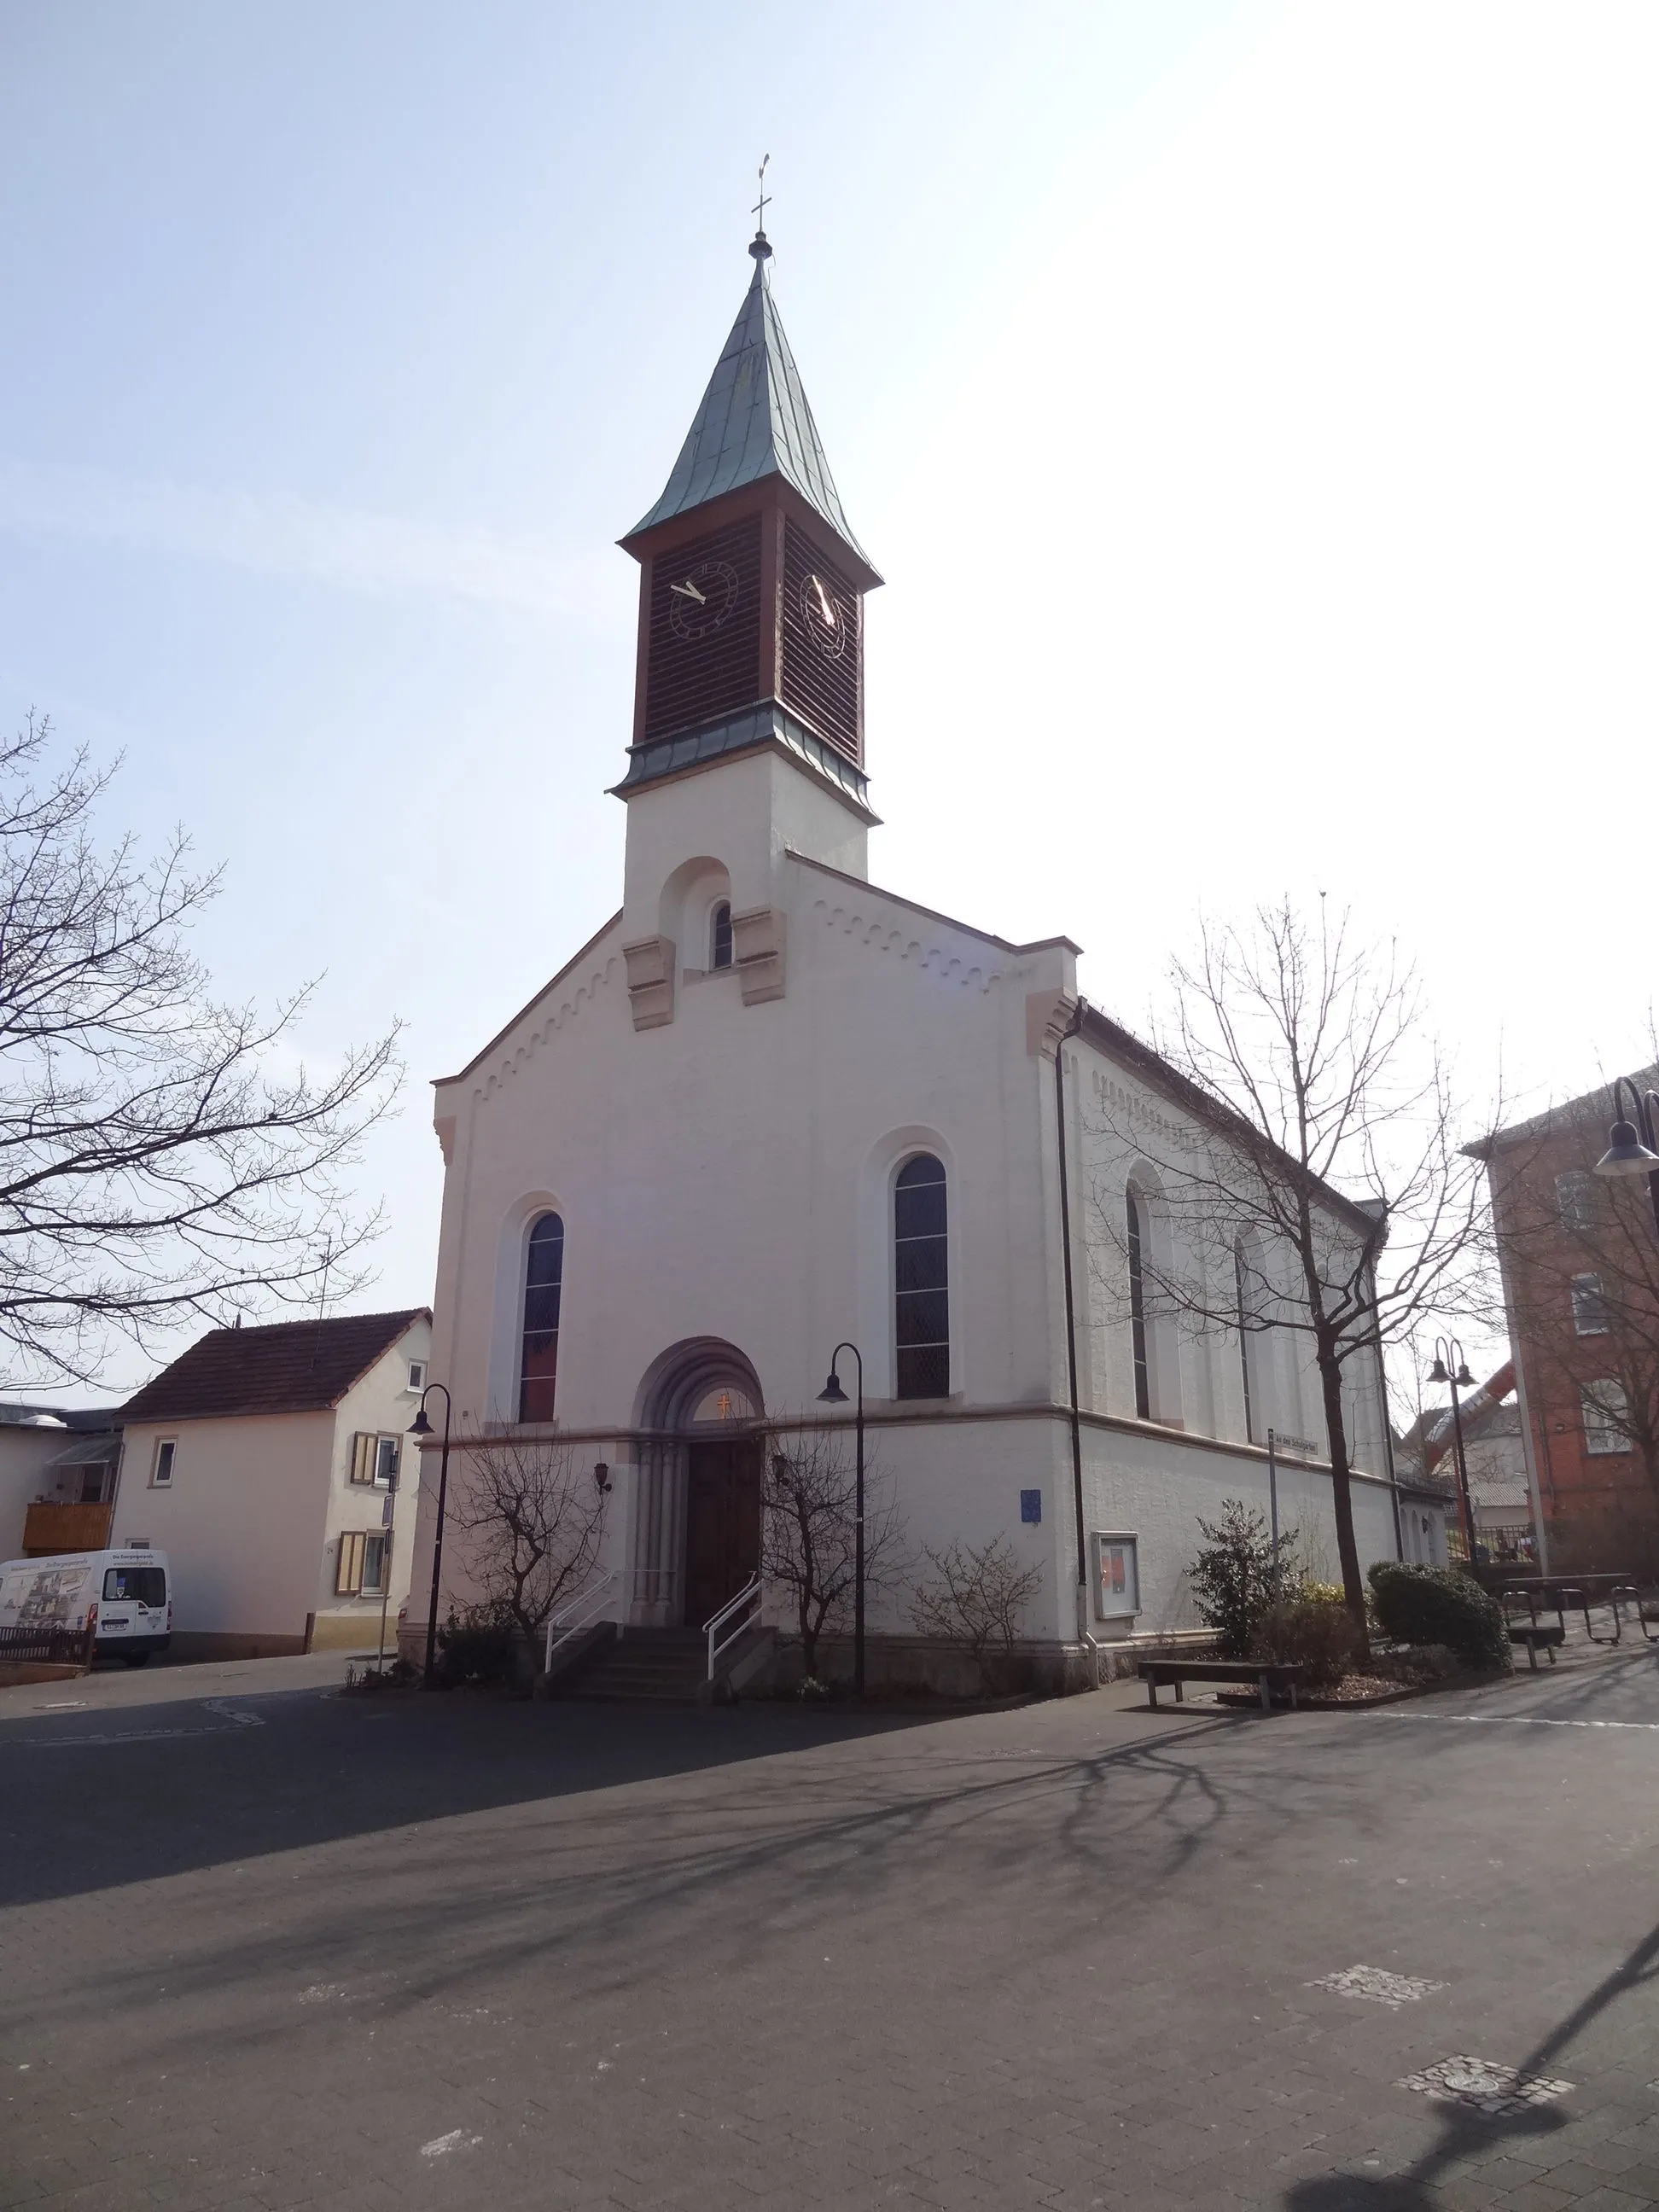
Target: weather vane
{"x":765,"y":200}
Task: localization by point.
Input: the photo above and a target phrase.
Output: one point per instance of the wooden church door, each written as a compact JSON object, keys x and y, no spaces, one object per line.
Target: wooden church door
{"x":722,"y":1524}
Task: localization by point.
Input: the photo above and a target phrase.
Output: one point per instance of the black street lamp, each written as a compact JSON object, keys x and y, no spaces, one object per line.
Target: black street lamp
{"x":833,"y":1394}
{"x":1447,"y":1353}
{"x":1631,"y":1147}
{"x":420,"y":1426}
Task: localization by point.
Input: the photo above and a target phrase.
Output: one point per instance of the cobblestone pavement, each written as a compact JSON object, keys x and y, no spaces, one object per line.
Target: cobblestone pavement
{"x":284,"y":1949}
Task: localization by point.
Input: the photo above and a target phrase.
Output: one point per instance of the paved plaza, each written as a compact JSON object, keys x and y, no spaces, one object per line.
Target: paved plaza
{"x":264,"y":1947}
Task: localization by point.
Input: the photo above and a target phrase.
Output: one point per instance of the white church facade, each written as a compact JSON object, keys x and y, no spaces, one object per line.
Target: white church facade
{"x":770,"y":1107}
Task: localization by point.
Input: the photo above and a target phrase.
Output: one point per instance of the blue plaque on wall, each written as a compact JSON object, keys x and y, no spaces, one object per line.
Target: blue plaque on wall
{"x":1031,"y":1505}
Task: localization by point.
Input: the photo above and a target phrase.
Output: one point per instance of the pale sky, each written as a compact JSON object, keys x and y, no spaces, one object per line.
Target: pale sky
{"x":1251,"y":408}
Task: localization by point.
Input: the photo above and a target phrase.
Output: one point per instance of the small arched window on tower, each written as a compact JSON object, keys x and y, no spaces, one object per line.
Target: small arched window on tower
{"x":1134,"y":1246}
{"x":543,"y":1280}
{"x":720,"y":935}
{"x":921,"y":1295}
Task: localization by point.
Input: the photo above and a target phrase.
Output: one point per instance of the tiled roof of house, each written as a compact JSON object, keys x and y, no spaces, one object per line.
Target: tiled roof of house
{"x":289,"y":1367}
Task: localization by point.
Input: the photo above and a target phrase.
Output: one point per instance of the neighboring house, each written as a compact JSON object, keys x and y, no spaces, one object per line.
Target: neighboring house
{"x":1580,"y":1261}
{"x":259,"y":1463}
{"x":770,"y":1106}
{"x":57,"y":1473}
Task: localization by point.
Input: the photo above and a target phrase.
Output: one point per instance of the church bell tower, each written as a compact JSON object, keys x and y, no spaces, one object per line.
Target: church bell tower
{"x":751,"y":582}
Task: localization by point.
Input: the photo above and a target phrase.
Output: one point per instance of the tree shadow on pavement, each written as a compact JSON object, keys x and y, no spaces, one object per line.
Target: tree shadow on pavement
{"x":1467,"y":2133}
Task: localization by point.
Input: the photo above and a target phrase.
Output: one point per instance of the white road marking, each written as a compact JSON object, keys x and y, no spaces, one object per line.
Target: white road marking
{"x":1376,"y":1984}
{"x":457,"y":2139}
{"x":226,"y":1721}
{"x":1516,"y":1720}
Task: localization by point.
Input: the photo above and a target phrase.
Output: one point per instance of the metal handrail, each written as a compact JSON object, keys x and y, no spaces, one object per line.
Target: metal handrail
{"x":745,"y":1602}
{"x":572,"y":1618}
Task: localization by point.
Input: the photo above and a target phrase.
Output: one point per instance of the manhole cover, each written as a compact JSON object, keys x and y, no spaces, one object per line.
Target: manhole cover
{"x":1377,"y":1985}
{"x":1484,"y":2088}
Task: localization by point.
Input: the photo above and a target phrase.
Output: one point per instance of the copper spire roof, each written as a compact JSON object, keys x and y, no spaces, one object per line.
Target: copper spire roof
{"x":753,"y":421}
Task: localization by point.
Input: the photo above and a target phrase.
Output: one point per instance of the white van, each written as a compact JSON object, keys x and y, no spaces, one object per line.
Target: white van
{"x":124,"y":1597}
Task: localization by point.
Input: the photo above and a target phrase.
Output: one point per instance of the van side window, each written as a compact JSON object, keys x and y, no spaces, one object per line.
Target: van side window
{"x":135,"y":1586}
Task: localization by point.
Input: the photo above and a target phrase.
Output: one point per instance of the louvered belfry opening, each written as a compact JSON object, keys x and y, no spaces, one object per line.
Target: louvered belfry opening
{"x":704,"y":658}
{"x":751,"y":613}
{"x":821,"y":678}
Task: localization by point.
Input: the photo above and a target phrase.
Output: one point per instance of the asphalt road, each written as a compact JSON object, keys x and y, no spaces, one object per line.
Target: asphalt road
{"x":261,"y":1946}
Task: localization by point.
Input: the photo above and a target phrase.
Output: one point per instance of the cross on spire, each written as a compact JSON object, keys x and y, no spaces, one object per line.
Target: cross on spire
{"x":757,"y":246}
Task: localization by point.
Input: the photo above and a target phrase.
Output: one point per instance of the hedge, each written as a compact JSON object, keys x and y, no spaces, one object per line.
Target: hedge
{"x":1438,"y":1605}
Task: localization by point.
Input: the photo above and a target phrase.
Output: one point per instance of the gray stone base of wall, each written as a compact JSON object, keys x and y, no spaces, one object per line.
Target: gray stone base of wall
{"x":201,"y":1643}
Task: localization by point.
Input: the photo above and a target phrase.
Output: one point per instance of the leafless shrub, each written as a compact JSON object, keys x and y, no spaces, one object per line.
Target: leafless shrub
{"x":535,"y":1520}
{"x":809,"y":1531}
{"x":976,"y":1594}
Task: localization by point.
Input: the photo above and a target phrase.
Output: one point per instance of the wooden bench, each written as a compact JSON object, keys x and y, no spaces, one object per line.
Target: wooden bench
{"x":1541,"y":1636}
{"x":1172,"y":1673}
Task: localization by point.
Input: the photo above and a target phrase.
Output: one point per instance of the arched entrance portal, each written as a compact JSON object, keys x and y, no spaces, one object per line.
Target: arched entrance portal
{"x":697,"y":1535}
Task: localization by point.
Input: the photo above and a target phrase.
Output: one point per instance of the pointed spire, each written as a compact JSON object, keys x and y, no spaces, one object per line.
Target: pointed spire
{"x":754,"y":421}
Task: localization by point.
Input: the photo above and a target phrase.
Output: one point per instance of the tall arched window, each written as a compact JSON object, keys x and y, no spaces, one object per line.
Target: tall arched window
{"x":544,"y":1278}
{"x":1246,"y":1348}
{"x":720,"y":935}
{"x":1134,"y":1239}
{"x":921,"y":1297}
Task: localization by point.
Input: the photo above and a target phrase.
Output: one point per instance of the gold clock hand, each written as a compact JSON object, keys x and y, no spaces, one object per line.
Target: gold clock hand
{"x":823,"y":601}
{"x":688,"y":590}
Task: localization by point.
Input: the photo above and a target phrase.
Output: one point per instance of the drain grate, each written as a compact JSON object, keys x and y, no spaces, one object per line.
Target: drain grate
{"x":1376,"y":1984}
{"x":1484,"y":2088}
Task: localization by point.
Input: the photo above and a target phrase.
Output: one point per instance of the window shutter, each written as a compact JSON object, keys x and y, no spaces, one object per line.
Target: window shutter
{"x":362,"y":1455}
{"x":348,"y":1570}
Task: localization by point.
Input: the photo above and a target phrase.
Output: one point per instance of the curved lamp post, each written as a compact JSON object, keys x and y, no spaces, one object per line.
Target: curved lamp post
{"x":833,"y":1394}
{"x":1447,"y":1354}
{"x":420,"y":1426}
{"x":1631,"y":1148}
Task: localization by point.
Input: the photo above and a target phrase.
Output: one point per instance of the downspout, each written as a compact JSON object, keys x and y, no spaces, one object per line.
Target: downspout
{"x":1071,"y":1030}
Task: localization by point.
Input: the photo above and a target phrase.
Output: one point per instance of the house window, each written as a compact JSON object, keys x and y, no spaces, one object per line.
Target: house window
{"x":92,"y":1486}
{"x":161,"y":1472}
{"x":1134,"y":1229}
{"x":1575,"y":1200}
{"x":418,"y":1374}
{"x":1606,"y":1418}
{"x":720,"y":935}
{"x":1589,"y":1306}
{"x":921,"y":1311}
{"x":374,"y":1458}
{"x":375,"y":1563}
{"x":543,"y":1279}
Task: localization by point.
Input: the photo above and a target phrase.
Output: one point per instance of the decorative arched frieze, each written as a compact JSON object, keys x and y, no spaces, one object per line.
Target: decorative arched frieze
{"x":521,"y":1049}
{"x":881,"y":934}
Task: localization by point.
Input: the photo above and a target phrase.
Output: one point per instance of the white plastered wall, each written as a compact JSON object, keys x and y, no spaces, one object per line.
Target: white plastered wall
{"x":241,"y":1523}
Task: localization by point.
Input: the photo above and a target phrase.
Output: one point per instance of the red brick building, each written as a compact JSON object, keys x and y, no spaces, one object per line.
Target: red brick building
{"x":1579,"y":1260}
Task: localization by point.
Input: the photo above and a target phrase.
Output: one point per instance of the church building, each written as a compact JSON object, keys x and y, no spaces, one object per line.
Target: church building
{"x":770,"y":1109}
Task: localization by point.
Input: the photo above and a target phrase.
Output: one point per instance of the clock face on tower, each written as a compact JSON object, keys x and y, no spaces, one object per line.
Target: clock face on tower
{"x":701,"y":599}
{"x":827,"y":617}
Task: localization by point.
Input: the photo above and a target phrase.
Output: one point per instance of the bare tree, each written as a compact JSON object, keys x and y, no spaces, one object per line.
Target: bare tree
{"x":536,"y":1522}
{"x":1320,"y":1143}
{"x":809,"y":1531}
{"x":157,"y":1160}
{"x":976,"y":1594}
